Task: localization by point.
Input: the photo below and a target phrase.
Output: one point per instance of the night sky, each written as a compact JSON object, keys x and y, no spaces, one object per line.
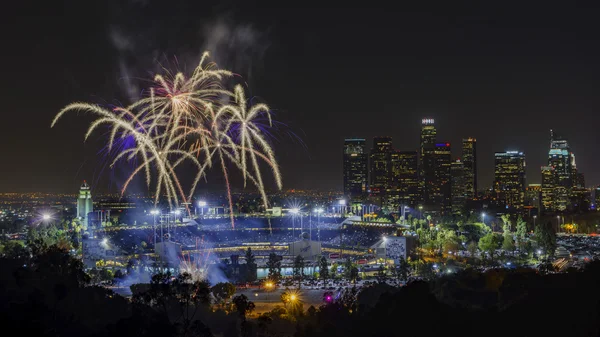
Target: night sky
{"x":504,"y":75}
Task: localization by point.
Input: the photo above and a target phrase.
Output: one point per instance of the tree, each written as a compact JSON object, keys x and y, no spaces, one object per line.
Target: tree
{"x":274,"y":267}
{"x":243,"y":305}
{"x":14,"y":249}
{"x":251,"y":267}
{"x":223,"y":291}
{"x":298,"y":269}
{"x":347,"y":267}
{"x":521,"y":233}
{"x":285,"y":297}
{"x":488,"y":244}
{"x":403,"y":269}
{"x":506,"y":221}
{"x":381,"y":274}
{"x":472,"y":248}
{"x":353,"y":274}
{"x":449,"y":241}
{"x":508,"y":243}
{"x":323,"y":269}
{"x":546,"y":238}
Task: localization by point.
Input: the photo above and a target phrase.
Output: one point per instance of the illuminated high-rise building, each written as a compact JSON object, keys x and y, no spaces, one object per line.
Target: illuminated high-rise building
{"x":405,"y":177}
{"x":380,"y":164}
{"x":355,"y":167}
{"x":459,"y":176}
{"x":469,"y":160}
{"x":85,"y":204}
{"x":427,"y":160}
{"x":442,"y":183}
{"x":562,"y":159}
{"x":548,"y":186}
{"x":533,"y":198}
{"x":509,"y":178}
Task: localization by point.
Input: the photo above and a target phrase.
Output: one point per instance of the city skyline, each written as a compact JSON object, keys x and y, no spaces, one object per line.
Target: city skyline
{"x":449,"y":63}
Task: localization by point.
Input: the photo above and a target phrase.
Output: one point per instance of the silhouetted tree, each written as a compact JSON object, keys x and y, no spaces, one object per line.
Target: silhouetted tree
{"x":274,"y":267}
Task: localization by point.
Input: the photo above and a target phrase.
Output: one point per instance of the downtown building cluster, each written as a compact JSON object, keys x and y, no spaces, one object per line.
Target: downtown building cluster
{"x":435,"y":182}
{"x":428,"y":178}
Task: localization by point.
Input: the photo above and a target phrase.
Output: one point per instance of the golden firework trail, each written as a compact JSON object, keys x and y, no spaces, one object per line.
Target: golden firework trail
{"x":195,"y":120}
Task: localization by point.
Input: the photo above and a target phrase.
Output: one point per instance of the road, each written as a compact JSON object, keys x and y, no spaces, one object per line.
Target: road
{"x":267,"y":300}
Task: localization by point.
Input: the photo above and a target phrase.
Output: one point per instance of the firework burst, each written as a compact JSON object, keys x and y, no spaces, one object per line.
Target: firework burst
{"x":188,"y":119}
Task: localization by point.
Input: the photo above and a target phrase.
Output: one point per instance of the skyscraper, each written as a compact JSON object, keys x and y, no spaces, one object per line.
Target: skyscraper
{"x":85,"y":204}
{"x":380,"y":164}
{"x":469,"y":160}
{"x":355,"y":167}
{"x":565,"y":176}
{"x":509,"y":178}
{"x":405,"y":177}
{"x":427,"y":160}
{"x":442,"y":183}
{"x":533,"y":199}
{"x":561,"y":158}
{"x":459,"y":176}
{"x":548,"y":186}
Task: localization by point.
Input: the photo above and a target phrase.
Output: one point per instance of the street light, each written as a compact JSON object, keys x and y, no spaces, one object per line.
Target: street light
{"x":46,"y":217}
{"x":483,"y":217}
{"x":534,"y":217}
{"x":420,"y":212}
{"x":558,"y":223}
{"x":268,"y":286}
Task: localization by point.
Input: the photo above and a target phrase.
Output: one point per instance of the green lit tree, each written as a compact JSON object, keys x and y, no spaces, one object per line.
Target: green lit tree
{"x":487,"y":244}
{"x":545,"y":236}
{"x":508,"y":243}
{"x":521,"y":233}
{"x":472,"y":248}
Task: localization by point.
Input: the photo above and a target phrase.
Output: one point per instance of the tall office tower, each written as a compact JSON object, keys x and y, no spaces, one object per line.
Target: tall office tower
{"x":427,"y":160}
{"x":405,"y":177}
{"x":548,"y":186}
{"x":533,"y":198}
{"x":442,"y":184}
{"x":380,"y":164}
{"x":459,"y":177}
{"x":469,"y":160}
{"x":85,"y":204}
{"x":579,"y":180}
{"x":562,"y":159}
{"x":509,"y":182}
{"x":355,"y":167}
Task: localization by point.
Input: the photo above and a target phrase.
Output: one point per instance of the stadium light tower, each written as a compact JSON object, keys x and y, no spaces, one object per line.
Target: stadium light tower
{"x":202,"y":204}
{"x":294,"y":212}
{"x":46,"y":217}
{"x":154,"y":213}
{"x":342,"y":203}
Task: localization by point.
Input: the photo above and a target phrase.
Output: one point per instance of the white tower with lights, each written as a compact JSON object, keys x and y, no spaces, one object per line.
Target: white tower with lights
{"x":84,"y":202}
